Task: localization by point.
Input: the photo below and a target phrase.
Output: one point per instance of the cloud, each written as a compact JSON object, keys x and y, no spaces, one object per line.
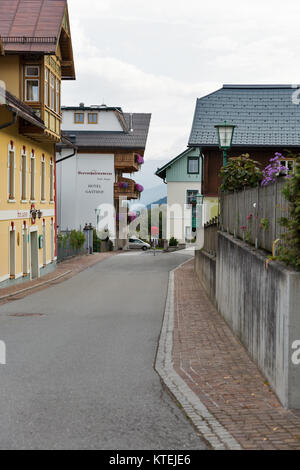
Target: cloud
{"x":159,"y":56}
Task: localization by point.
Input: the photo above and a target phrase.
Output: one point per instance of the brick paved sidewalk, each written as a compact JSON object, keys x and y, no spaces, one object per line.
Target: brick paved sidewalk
{"x":215,"y":365}
{"x":66,"y":269}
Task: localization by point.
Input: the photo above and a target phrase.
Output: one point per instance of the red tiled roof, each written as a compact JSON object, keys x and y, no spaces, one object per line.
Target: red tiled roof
{"x":39,"y":21}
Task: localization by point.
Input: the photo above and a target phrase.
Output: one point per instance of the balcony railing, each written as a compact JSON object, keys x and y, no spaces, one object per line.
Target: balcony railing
{"x":128,"y":190}
{"x":126,"y":162}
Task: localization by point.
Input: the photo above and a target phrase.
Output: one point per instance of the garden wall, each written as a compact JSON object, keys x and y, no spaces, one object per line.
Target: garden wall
{"x":261,"y":305}
{"x":205,"y":268}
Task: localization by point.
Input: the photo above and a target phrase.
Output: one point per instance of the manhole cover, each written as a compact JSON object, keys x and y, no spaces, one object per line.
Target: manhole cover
{"x":26,"y":314}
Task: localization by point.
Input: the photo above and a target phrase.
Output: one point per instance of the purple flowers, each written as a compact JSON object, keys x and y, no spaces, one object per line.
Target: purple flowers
{"x":123,"y":184}
{"x":274,"y":169}
{"x":139,"y":159}
{"x":139,"y":188}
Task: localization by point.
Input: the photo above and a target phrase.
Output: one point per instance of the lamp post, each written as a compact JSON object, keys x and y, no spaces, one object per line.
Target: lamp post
{"x":225,"y":135}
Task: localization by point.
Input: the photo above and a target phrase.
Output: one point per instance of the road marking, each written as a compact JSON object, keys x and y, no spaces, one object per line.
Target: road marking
{"x":208,"y":426}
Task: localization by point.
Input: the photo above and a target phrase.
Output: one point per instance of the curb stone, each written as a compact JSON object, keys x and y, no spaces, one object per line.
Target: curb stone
{"x":208,"y":426}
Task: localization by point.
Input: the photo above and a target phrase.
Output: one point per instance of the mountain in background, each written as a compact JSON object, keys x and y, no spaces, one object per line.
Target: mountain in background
{"x":151,"y":195}
{"x":160,"y":201}
{"x":146,"y":175}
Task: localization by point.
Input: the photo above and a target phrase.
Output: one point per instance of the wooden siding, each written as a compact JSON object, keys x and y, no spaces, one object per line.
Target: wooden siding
{"x":213,"y":161}
{"x":178,"y":170}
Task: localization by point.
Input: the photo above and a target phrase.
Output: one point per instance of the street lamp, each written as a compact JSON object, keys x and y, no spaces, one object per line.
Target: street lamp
{"x":225,"y":135}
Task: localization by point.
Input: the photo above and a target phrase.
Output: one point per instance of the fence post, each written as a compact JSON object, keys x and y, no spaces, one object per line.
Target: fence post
{"x":256,"y":218}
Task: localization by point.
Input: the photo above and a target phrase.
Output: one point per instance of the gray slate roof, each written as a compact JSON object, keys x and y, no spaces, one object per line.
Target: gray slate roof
{"x":110,"y":139}
{"x":265,"y":115}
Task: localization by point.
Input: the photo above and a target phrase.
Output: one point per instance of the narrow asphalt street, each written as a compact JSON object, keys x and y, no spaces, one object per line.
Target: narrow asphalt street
{"x":79,"y":372}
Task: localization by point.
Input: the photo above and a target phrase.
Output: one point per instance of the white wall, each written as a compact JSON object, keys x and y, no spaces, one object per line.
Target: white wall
{"x":107,"y":121}
{"x":180,"y":217}
{"x":84,"y":182}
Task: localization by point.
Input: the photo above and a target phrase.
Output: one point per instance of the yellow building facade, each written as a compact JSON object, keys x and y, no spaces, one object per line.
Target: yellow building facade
{"x":31,"y":70}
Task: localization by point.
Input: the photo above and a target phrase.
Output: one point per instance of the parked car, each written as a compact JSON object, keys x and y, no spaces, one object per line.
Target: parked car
{"x":136,"y":243}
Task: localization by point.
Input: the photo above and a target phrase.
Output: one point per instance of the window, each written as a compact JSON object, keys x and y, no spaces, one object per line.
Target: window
{"x":46,"y":87}
{"x":11,"y":175}
{"x":289,"y":165}
{"x":193,"y":165}
{"x":78,"y":118}
{"x":32,"y":71}
{"x":43,"y":178}
{"x":23,"y":177}
{"x":57,"y":91}
{"x":191,"y":196}
{"x":51,"y":181}
{"x":93,"y":118}
{"x":32,"y":83}
{"x":32,"y":177}
{"x":52,"y":92}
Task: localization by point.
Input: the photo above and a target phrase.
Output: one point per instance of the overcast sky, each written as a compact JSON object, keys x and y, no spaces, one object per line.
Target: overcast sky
{"x":159,"y":56}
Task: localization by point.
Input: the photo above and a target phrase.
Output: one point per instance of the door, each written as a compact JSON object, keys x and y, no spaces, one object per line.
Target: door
{"x":34,"y":255}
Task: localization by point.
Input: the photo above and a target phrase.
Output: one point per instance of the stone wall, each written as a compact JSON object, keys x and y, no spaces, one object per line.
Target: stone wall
{"x":261,"y":303}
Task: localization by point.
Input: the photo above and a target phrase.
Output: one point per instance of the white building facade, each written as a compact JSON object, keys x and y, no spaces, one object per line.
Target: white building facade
{"x":100,"y":144}
{"x":183,"y":176}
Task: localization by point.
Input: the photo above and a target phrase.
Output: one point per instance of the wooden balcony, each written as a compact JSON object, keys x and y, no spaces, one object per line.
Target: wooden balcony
{"x":126,"y":162}
{"x":130,"y":192}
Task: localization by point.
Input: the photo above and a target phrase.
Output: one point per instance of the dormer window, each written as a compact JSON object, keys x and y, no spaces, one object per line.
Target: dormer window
{"x":78,"y":118}
{"x":32,"y":83}
{"x":92,"y":118}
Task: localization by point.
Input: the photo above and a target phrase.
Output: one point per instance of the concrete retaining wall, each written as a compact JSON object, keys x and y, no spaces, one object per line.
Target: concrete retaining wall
{"x":262,"y":308}
{"x":205,"y":268}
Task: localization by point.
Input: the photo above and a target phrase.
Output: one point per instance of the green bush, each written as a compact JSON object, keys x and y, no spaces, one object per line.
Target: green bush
{"x":77,"y":239}
{"x":239,"y":173}
{"x":173,"y":241}
{"x":289,"y":251}
{"x":96,"y":242}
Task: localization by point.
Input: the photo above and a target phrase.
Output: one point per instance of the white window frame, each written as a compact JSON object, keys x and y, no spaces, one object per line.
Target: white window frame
{"x":43,"y":179}
{"x":25,"y":253}
{"x":44,"y":243}
{"x":12,"y":275}
{"x":46,"y":87}
{"x":32,"y":180}
{"x":51,"y":181}
{"x":52,"y":103}
{"x":31,"y":78}
{"x":285,"y":162}
{"x":57,"y":95}
{"x":23,"y":155}
{"x":11,"y":150}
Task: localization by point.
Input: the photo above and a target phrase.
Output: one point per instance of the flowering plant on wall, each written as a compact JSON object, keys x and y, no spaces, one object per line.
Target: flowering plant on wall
{"x":139,"y":159}
{"x":139,"y":188}
{"x":239,"y":173}
{"x":123,"y":184}
{"x":132,"y":216}
{"x":274,"y":169}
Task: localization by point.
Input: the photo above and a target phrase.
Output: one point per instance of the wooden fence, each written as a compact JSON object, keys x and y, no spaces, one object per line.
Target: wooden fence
{"x":254,"y":214}
{"x":211,"y":236}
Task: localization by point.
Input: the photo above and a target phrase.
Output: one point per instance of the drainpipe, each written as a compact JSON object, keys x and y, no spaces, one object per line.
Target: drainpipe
{"x":67,"y":156}
{"x":10,"y":123}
